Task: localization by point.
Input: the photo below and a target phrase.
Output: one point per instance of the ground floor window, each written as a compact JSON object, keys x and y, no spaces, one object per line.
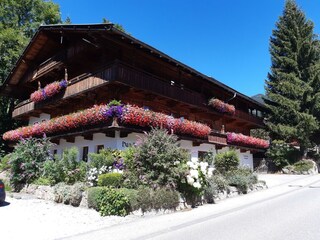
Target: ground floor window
{"x":85,"y":151}
{"x":99,"y":147}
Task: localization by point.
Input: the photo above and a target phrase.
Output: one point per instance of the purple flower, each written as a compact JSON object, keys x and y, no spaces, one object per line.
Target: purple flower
{"x":114,"y":111}
{"x":44,"y":93}
{"x":118,"y":164}
{"x":63,"y":83}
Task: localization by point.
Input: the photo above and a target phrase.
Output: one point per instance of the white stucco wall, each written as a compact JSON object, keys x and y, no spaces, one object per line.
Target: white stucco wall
{"x":42,"y":117}
{"x":98,"y":139}
{"x":246,"y":159}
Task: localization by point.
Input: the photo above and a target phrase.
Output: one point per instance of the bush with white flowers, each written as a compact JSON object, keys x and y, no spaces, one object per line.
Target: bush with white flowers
{"x":94,"y":173}
{"x":198,"y":173}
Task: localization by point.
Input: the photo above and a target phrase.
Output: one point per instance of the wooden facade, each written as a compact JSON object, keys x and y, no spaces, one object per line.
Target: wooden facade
{"x":103,"y":63}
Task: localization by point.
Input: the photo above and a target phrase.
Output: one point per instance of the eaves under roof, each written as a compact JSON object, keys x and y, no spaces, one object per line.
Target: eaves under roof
{"x":110,"y":27}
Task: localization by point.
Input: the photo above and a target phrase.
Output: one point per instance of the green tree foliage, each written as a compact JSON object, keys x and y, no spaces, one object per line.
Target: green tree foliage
{"x":19,"y":19}
{"x":293,"y":82}
{"x":282,"y":154}
{"x":115,"y":25}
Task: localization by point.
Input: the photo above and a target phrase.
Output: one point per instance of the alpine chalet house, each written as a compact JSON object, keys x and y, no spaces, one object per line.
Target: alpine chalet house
{"x":68,"y":76}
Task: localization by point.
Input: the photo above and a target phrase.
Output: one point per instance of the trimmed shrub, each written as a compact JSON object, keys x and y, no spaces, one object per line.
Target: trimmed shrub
{"x":303,"y":166}
{"x":110,"y":180}
{"x":93,"y":194}
{"x":149,"y":199}
{"x":226,"y":161}
{"x":132,"y":196}
{"x":112,"y":202}
{"x":165,"y":199}
{"x":145,"y":199}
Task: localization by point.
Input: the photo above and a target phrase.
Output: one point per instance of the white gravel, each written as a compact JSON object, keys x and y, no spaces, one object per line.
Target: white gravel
{"x":29,"y":218}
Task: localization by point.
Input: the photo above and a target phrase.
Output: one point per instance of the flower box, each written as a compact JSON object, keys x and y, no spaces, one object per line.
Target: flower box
{"x":133,"y":115}
{"x":101,"y":114}
{"x":221,"y":106}
{"x":243,"y":140}
{"x":48,"y":91}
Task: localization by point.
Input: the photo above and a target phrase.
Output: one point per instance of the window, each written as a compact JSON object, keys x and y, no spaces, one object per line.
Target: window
{"x":202,"y":155}
{"x":85,"y":151}
{"x":99,"y":147}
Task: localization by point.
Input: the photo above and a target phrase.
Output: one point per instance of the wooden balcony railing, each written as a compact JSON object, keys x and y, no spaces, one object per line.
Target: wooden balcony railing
{"x":73,"y":89}
{"x":138,"y":79}
{"x":157,"y":85}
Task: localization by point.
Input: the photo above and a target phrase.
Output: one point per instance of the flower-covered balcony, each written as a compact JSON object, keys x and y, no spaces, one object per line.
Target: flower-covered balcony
{"x":114,"y":115}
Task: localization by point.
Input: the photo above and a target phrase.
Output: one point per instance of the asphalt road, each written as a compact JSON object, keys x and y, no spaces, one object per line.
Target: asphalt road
{"x":289,"y":211}
{"x":294,"y":216}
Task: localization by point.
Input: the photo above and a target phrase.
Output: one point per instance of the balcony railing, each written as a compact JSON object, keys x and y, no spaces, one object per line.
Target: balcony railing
{"x":138,"y":79}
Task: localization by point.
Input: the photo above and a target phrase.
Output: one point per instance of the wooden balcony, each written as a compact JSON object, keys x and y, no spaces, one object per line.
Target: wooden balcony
{"x":75,"y":88}
{"x":136,"y":79}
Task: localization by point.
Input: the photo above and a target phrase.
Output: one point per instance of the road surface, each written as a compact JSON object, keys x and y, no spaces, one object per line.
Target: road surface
{"x":289,"y":210}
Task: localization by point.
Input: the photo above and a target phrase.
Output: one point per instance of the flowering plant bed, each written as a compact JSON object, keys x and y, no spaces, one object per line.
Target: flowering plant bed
{"x":221,"y":106}
{"x":48,"y":91}
{"x":100,"y":114}
{"x":243,"y":140}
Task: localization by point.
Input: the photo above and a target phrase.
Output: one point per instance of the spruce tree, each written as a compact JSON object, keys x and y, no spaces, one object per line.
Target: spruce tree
{"x":293,"y":81}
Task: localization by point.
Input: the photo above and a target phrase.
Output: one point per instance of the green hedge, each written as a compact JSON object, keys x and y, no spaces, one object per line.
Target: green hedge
{"x":110,"y":201}
{"x":110,"y":180}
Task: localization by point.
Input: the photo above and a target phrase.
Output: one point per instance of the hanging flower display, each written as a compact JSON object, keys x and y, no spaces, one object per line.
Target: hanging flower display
{"x":221,"y":106}
{"x":48,"y":91}
{"x":133,"y":115}
{"x":88,"y":117}
{"x":243,"y":140}
{"x":128,"y":114}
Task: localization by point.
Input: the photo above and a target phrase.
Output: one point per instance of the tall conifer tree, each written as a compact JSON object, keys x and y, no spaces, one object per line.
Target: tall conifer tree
{"x":293,"y":79}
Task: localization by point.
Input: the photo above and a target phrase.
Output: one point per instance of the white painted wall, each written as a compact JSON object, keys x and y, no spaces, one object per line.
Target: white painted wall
{"x":98,"y":139}
{"x":246,"y":159}
{"x":42,"y":117}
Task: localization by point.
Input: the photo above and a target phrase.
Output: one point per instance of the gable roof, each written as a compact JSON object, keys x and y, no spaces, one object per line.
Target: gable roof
{"x":38,"y":41}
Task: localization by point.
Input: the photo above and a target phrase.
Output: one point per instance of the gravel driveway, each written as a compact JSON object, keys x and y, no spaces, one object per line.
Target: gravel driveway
{"x":24,"y":217}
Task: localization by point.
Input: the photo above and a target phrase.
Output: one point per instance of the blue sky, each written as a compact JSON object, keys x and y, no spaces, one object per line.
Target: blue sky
{"x":224,"y":39}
